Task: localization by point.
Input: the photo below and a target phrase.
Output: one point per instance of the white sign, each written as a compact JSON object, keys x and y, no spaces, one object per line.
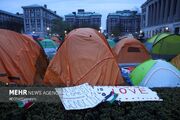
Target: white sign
{"x":78,"y":97}
{"x":127,"y":93}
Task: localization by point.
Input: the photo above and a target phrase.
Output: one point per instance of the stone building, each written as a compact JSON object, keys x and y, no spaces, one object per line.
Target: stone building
{"x":125,"y":22}
{"x":84,"y":19}
{"x":38,"y":19}
{"x":11,"y":21}
{"x":159,"y":16}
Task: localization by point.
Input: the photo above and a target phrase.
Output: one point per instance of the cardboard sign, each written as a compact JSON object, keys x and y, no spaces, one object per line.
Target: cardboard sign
{"x":85,"y":96}
{"x":128,"y":93}
{"x":79,"y":97}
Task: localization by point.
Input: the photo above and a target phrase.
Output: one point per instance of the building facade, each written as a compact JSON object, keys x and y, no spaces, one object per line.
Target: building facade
{"x":38,"y":19}
{"x":11,"y":21}
{"x":124,"y":22}
{"x":84,"y":19}
{"x":159,"y":16}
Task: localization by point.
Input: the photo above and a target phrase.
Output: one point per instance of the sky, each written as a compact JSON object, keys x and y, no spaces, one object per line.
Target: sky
{"x":64,"y":7}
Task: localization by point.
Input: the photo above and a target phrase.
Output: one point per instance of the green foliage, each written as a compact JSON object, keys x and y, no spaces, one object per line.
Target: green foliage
{"x":168,"y":109}
{"x":59,"y":26}
{"x":84,"y":25}
{"x":116,"y":31}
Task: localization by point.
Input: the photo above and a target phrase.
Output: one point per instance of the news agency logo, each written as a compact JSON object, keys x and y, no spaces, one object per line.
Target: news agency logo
{"x":18,"y":92}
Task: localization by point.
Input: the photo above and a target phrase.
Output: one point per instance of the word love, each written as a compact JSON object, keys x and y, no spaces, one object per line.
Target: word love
{"x":138,"y":90}
{"x":128,"y":93}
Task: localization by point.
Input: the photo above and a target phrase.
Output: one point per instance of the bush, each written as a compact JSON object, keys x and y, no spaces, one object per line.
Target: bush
{"x":169,"y":108}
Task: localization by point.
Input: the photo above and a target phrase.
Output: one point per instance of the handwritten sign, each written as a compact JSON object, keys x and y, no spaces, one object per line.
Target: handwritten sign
{"x":85,"y":96}
{"x":78,"y":97}
{"x":128,"y":93}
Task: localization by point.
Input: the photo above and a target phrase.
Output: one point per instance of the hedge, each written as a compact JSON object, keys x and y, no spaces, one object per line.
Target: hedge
{"x":168,"y":109}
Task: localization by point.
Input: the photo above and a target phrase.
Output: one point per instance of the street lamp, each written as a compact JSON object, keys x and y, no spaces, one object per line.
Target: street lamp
{"x":100,"y":29}
{"x":167,"y":29}
{"x":48,"y":28}
{"x":140,"y":31}
{"x":65,"y":32}
{"x":33,"y":32}
{"x":47,"y":31}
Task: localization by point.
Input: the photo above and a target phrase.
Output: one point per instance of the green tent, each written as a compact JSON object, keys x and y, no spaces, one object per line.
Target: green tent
{"x":141,"y":71}
{"x":111,"y":43}
{"x":157,"y":37}
{"x":48,"y":43}
{"x":164,"y":45}
{"x":155,"y":73}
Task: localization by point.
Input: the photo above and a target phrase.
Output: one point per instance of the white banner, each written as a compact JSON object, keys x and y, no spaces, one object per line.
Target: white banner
{"x":127,"y":93}
{"x":79,"y":97}
{"x":85,"y":96}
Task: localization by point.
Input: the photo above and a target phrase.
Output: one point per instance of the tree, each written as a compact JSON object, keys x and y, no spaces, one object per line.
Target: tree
{"x":86,"y":25}
{"x":116,"y":31}
{"x":59,"y":26}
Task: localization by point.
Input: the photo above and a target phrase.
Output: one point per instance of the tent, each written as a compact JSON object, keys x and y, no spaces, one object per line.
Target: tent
{"x":150,"y":41}
{"x":56,"y":40}
{"x":84,"y":57}
{"x":164,"y":46}
{"x":111,"y":43}
{"x":130,"y":50}
{"x":48,"y":43}
{"x":155,"y":73}
{"x":40,"y":38}
{"x":49,"y":47}
{"x":28,"y":35}
{"x":22,"y":60}
{"x":176,"y":61}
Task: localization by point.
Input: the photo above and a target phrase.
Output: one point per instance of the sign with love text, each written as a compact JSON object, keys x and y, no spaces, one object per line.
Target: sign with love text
{"x":128,"y":93}
{"x":85,"y":96}
{"x":79,"y":97}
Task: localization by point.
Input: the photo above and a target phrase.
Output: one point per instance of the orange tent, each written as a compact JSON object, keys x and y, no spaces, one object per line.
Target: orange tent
{"x":130,"y":50}
{"x":56,"y":39}
{"x":29,"y":36}
{"x":85,"y":56}
{"x":22,"y":60}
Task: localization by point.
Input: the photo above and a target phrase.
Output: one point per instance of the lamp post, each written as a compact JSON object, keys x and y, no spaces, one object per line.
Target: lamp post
{"x":166,"y":29}
{"x":141,"y":35}
{"x":65,"y":32}
{"x":47,"y":31}
{"x":141,"y":31}
{"x":100,"y":29}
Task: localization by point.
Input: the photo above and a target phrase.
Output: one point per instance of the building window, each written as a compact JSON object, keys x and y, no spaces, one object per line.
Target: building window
{"x":38,"y":14}
{"x":26,"y":14}
{"x":32,"y":13}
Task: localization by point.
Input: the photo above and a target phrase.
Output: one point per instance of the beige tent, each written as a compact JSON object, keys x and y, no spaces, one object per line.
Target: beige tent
{"x":176,"y":61}
{"x":130,"y":50}
{"x":22,"y":60}
{"x":85,"y":56}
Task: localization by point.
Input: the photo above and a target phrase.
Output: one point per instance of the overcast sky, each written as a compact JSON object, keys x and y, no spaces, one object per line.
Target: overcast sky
{"x":67,"y":6}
